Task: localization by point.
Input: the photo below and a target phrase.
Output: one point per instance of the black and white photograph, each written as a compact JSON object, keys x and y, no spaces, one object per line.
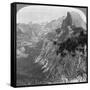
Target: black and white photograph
{"x":51,"y":45}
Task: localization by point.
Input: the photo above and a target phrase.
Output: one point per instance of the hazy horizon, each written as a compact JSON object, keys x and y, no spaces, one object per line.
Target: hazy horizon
{"x":42,"y":14}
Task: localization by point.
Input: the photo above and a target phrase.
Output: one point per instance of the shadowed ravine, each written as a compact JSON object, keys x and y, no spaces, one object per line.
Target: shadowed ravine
{"x":27,"y":69}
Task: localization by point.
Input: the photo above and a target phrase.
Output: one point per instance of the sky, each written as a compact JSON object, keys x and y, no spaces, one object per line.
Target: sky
{"x":41,"y":14}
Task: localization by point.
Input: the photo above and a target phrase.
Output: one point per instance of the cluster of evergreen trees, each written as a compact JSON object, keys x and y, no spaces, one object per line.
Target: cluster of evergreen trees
{"x":77,"y":39}
{"x":72,"y":43}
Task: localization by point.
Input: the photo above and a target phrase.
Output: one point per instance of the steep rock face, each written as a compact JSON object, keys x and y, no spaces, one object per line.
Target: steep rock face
{"x":49,"y":48}
{"x":67,"y":21}
{"x":66,"y":44}
{"x":63,"y":32}
{"x":57,"y":55}
{"x":76,"y":38}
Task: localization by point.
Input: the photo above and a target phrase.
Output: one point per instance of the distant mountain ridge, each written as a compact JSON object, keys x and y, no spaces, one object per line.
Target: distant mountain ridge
{"x":34,"y":31}
{"x":30,"y":34}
